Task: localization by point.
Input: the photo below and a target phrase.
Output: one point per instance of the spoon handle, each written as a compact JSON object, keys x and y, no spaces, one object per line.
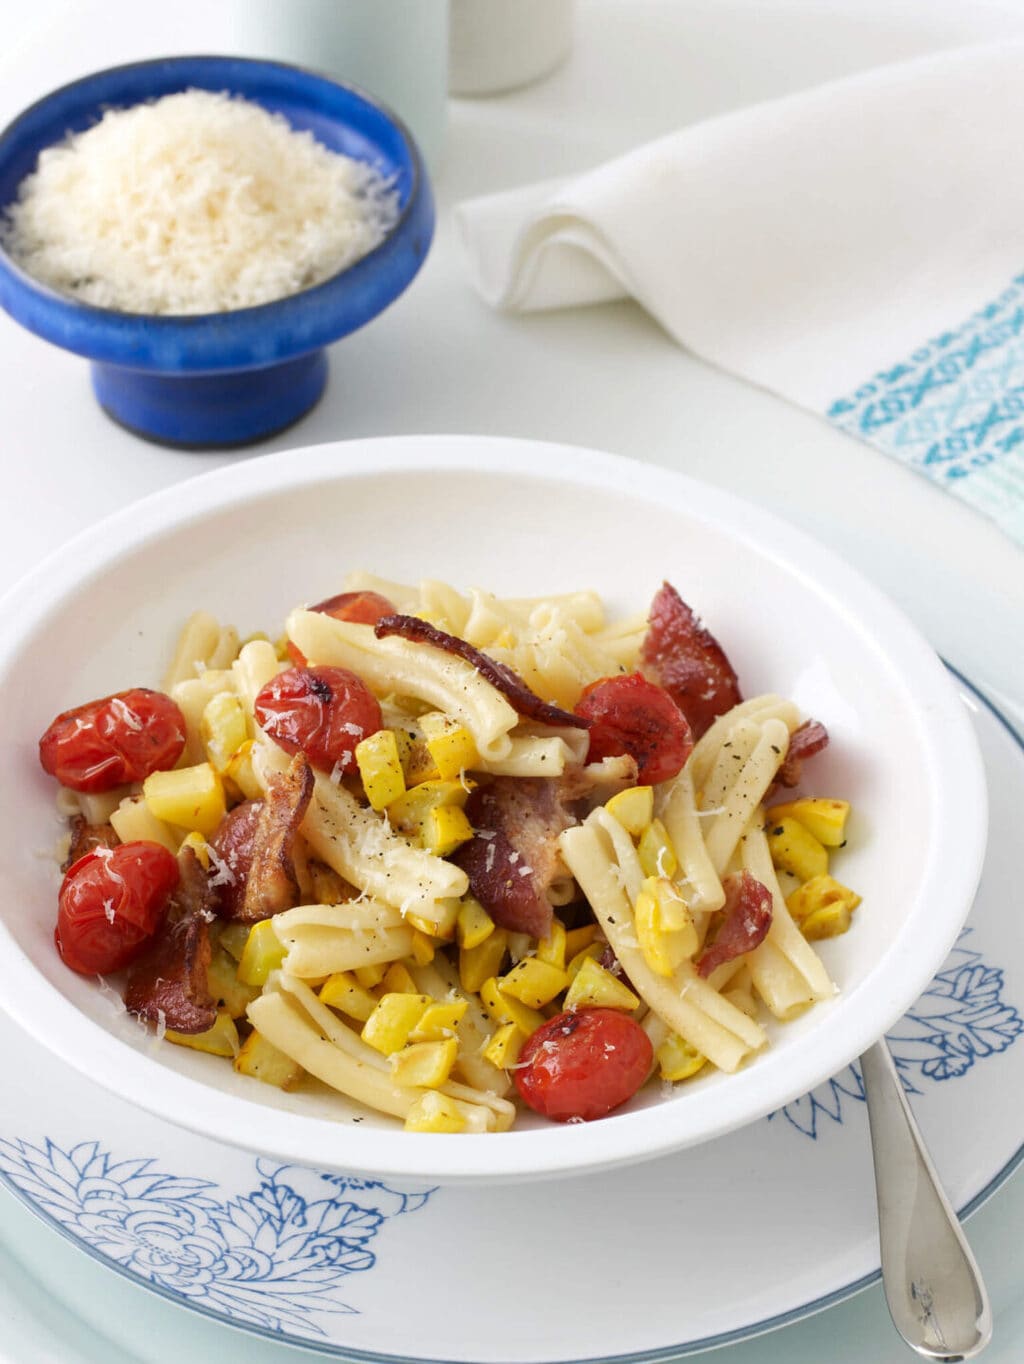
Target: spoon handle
{"x":935,"y":1293}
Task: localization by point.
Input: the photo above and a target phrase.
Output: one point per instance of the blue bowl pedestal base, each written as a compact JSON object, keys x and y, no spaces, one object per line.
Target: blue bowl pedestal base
{"x":233,"y":408}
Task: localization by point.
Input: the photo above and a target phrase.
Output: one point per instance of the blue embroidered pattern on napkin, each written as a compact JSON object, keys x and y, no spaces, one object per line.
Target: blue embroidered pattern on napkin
{"x":954,"y":410}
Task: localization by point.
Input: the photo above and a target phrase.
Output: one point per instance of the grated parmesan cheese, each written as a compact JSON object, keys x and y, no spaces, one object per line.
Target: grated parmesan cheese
{"x":199,"y":202}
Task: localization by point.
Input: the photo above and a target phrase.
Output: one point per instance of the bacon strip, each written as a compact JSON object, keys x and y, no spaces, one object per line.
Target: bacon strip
{"x":511,"y":686}
{"x":168,"y":985}
{"x":86,"y":837}
{"x":254,"y":846}
{"x":809,"y":738}
{"x":684,"y":658}
{"x":748,"y":916}
{"x":513,"y":857}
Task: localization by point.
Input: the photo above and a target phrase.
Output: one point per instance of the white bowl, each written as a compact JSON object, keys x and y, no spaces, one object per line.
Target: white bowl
{"x":249,"y":542}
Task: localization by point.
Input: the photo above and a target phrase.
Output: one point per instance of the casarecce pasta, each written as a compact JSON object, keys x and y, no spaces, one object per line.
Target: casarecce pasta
{"x":439,"y":849}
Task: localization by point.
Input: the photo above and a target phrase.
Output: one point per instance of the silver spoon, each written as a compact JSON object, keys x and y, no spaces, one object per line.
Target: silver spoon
{"x":935,"y":1293}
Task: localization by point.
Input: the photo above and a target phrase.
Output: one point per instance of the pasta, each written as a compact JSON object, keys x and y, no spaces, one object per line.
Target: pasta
{"x":426,"y":859}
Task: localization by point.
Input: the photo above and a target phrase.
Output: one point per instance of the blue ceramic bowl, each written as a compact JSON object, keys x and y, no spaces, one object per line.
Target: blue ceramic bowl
{"x":222,"y":378}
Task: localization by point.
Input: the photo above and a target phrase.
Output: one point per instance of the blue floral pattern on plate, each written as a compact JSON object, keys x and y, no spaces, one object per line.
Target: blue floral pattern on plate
{"x":274,"y":1257}
{"x":960,"y":1019}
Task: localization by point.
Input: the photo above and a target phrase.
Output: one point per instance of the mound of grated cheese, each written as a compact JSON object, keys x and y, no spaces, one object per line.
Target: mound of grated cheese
{"x":197,"y":203}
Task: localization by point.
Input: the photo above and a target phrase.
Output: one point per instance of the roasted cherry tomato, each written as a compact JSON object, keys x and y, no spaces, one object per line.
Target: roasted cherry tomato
{"x":583,"y":1063}
{"x":322,"y":712}
{"x":119,"y":739}
{"x":112,"y":903}
{"x":631,"y":715}
{"x":365,"y":608}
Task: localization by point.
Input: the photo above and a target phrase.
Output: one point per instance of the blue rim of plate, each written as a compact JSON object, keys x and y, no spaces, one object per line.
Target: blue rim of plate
{"x":656,"y":1356}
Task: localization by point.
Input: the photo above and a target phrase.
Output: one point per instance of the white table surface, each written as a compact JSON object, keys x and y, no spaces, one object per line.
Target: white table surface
{"x":607,"y":377}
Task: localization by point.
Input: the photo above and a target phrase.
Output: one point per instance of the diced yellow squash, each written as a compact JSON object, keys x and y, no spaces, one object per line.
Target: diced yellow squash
{"x":190,"y":797}
{"x":264,"y":952}
{"x":434,"y":1112}
{"x":408,"y":812}
{"x":418,"y":763}
{"x":505,"y":1045}
{"x":633,"y":808}
{"x":534,"y":982}
{"x":444,"y":829}
{"x":664,"y":926}
{"x":229,"y":993}
{"x":552,"y":948}
{"x":795,"y":849}
{"x":393,"y":1019}
{"x":327,"y":887}
{"x":371,"y":976}
{"x":677,"y":1060}
{"x":474,"y":923}
{"x":825,"y":819}
{"x":828,"y":922}
{"x":241,"y":772}
{"x":380,"y":768}
{"x":592,"y":952}
{"x":423,"y":948}
{"x":477,"y":964}
{"x":442,"y":925}
{"x":819,"y":892}
{"x":343,"y":992}
{"x":224,"y":729}
{"x":439,"y":1020}
{"x":220,"y":1040}
{"x":505,"y":1008}
{"x":134,"y":819}
{"x":261,"y":1060}
{"x":578,"y":938}
{"x":655,"y":851}
{"x":197,"y":843}
{"x":450,"y":745}
{"x":426,"y":1065}
{"x":397,"y":980}
{"x":232,"y":938}
{"x":594,"y":987}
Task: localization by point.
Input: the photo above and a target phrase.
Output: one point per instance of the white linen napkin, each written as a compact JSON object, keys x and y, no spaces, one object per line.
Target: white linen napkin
{"x":858,"y":249}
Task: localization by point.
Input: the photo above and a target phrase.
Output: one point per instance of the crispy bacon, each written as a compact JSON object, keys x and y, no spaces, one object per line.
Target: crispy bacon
{"x":747,"y":917}
{"x":511,"y":686}
{"x":168,"y":985}
{"x":810,"y":738}
{"x":86,"y":837}
{"x":684,"y":658}
{"x":254,"y":847}
{"x":513,"y":857}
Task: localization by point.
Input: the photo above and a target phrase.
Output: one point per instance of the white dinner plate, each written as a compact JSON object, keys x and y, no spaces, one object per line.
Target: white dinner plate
{"x":697,"y":1249}
{"x":523,"y":518}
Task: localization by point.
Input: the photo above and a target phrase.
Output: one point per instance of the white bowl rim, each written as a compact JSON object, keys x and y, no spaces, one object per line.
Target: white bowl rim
{"x":896,"y":981}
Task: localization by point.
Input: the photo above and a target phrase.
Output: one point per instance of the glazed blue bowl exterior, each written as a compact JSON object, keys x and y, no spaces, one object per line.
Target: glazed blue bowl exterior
{"x":222,"y":378}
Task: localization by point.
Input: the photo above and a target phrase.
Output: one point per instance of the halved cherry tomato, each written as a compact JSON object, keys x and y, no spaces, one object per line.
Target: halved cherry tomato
{"x":112,"y":903}
{"x":630,"y":715}
{"x":118,"y":739}
{"x":322,"y":712}
{"x":583,"y":1063}
{"x":365,"y":608}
